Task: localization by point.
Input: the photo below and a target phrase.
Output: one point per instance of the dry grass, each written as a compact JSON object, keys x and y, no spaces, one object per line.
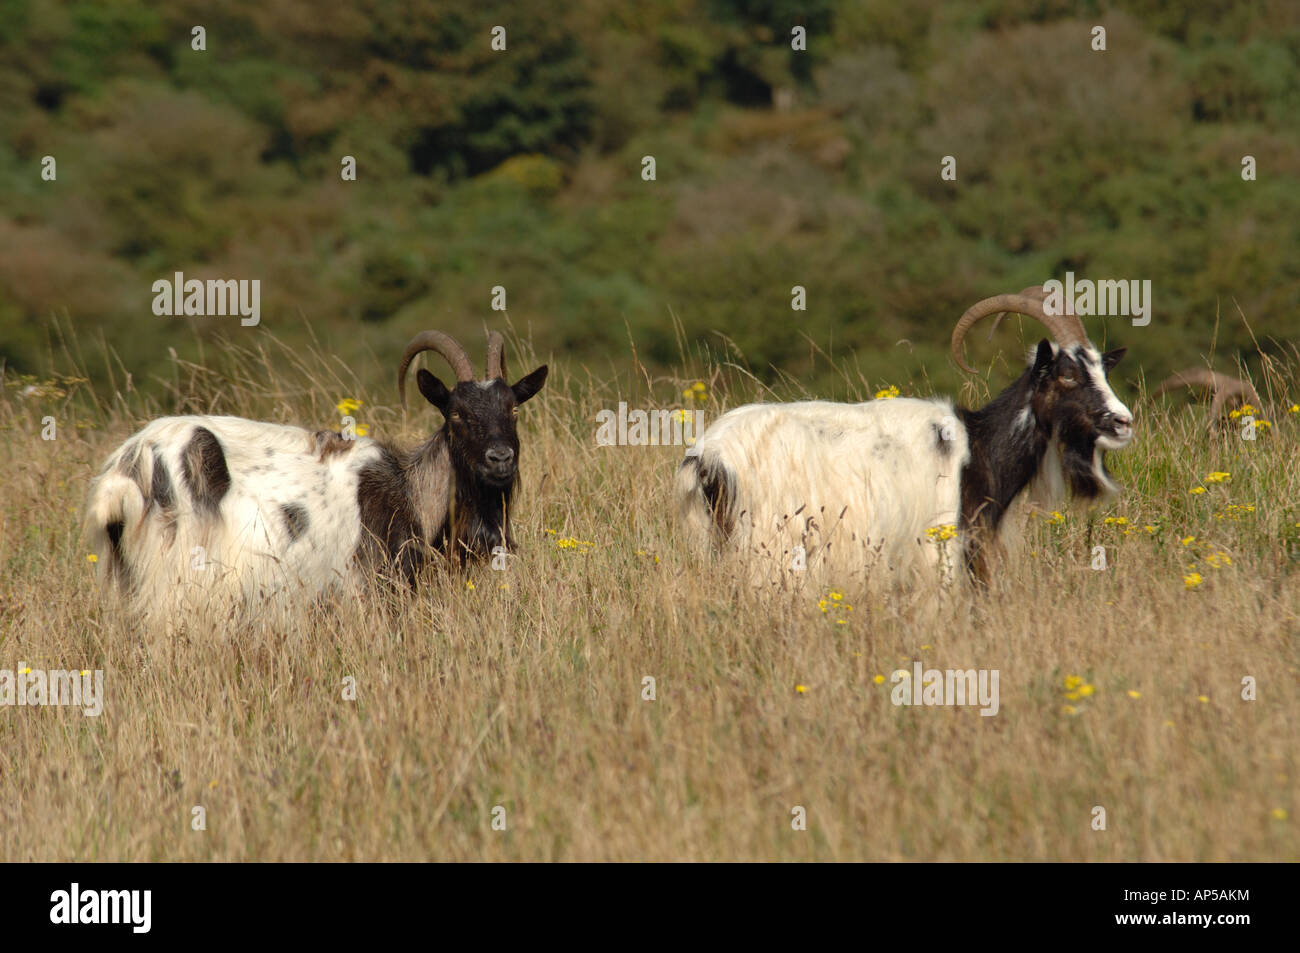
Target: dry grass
{"x":525,"y":690}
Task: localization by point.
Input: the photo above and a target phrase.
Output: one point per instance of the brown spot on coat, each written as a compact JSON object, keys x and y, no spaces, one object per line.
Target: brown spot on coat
{"x":328,"y":442}
{"x":203,"y":464}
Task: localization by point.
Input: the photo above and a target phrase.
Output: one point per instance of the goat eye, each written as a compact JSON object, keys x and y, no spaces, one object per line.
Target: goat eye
{"x":455,"y":417}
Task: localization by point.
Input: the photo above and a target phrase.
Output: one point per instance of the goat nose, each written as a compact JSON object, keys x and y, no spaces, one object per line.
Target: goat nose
{"x":1122,"y":421}
{"x":500,"y":456}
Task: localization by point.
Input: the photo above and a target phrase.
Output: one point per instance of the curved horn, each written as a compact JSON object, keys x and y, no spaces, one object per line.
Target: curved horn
{"x":1222,"y":386}
{"x":496,"y":356}
{"x":1067,"y":330}
{"x":443,"y":344}
{"x":1036,"y":291}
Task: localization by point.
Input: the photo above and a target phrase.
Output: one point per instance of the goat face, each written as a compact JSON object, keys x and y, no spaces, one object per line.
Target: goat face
{"x":480,"y":423}
{"x":1073,"y":399}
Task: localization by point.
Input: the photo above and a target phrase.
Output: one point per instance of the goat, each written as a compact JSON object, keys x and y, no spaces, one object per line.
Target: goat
{"x":228,"y":511}
{"x":872,"y":478}
{"x":1228,"y":392}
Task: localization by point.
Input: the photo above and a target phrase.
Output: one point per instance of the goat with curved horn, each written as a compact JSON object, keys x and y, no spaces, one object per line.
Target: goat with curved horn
{"x":843,"y":486}
{"x":287,"y":511}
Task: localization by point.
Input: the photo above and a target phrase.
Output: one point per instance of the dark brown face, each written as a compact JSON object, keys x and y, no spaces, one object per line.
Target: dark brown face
{"x":481,"y":422}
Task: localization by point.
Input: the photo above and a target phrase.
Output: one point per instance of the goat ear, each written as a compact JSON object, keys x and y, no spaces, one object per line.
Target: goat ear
{"x":433,"y":390}
{"x":526,"y":387}
{"x":1111,"y":358}
{"x":1043,"y":360}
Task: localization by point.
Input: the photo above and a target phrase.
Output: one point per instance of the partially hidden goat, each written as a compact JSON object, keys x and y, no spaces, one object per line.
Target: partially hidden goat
{"x":1228,"y":393}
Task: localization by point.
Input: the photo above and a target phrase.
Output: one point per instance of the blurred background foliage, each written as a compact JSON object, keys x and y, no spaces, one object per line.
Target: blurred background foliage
{"x":522,"y":169}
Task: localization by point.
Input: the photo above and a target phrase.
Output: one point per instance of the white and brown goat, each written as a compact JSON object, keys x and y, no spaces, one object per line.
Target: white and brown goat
{"x":875,"y":484}
{"x":222,"y":511}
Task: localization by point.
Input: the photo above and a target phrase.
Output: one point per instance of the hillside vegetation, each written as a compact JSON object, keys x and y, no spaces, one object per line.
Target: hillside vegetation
{"x":522,"y":169}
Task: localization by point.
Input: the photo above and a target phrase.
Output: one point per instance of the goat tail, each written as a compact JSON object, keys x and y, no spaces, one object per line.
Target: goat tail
{"x":706,"y":495}
{"x":116,"y":509}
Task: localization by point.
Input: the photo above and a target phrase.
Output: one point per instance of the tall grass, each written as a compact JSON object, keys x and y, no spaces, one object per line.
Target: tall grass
{"x":524,"y":689}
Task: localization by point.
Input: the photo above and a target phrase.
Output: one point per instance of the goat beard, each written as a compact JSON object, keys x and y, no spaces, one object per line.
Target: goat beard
{"x":482,"y":522}
{"x":1080,"y":468}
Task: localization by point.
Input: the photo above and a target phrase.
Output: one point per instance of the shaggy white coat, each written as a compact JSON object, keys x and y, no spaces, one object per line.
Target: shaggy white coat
{"x":188,"y":558}
{"x":856,"y":485}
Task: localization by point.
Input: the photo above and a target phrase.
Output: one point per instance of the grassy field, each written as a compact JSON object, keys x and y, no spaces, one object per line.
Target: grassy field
{"x":1120,"y":688}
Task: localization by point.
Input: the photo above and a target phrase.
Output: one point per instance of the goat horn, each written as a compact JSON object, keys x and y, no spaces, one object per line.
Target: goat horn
{"x":496,"y":356}
{"x":1222,"y":386}
{"x":1034,"y":291}
{"x":443,"y":344}
{"x":1067,"y":330}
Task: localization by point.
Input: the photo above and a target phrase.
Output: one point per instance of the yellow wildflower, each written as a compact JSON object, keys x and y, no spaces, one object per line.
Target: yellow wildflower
{"x":1134,"y":693}
{"x":348,"y":405}
{"x":1218,"y":476}
{"x":92,"y":558}
{"x":1196,"y":490}
{"x":1192,"y":580}
{"x":889,"y":393}
{"x":1218,"y":559}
